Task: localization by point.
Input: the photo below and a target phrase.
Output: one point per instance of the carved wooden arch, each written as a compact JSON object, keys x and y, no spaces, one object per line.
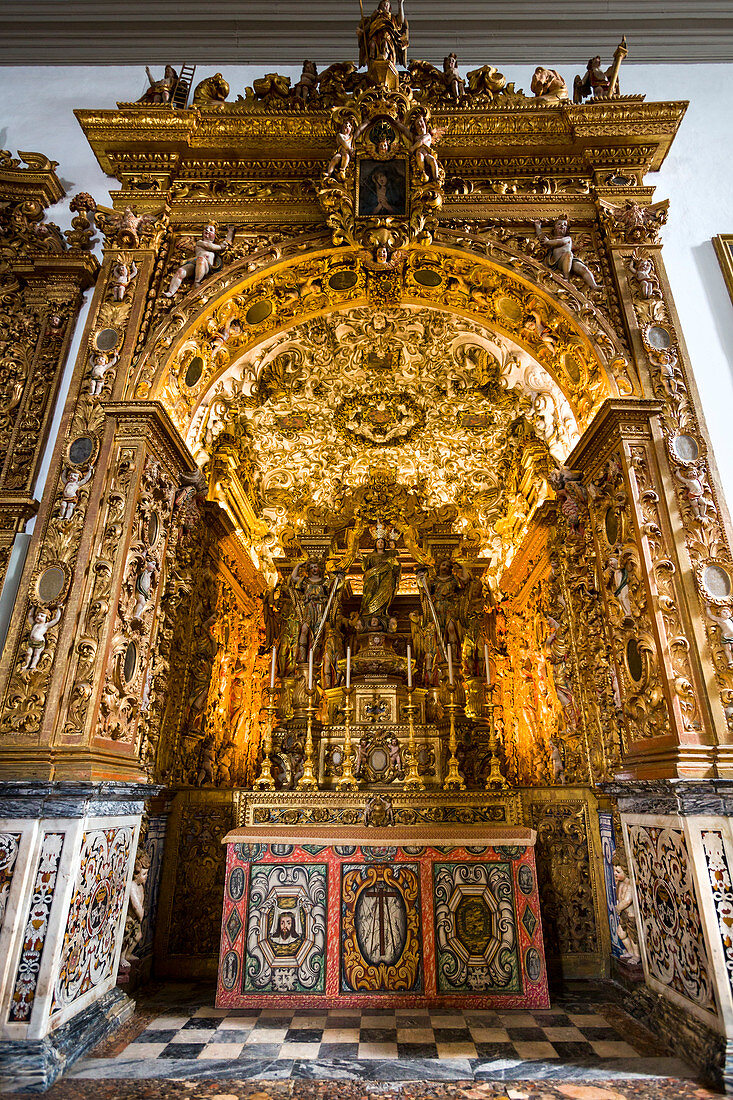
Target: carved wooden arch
{"x":270,"y":293}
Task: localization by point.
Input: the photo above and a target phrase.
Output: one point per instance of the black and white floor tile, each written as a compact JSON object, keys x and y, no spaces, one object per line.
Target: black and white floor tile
{"x":402,"y":1044}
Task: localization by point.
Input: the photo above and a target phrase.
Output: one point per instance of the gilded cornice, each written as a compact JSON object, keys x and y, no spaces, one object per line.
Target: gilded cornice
{"x":616,"y":419}
{"x":529,"y":127}
{"x":150,"y":420}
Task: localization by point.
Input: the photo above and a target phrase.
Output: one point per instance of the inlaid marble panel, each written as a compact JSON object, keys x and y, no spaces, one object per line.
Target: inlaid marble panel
{"x":673,"y":942}
{"x":93,"y":924}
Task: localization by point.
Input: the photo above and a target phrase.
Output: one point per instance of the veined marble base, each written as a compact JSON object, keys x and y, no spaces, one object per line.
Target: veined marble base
{"x":34,"y":1064}
{"x":679,"y":841}
{"x":67,"y":853}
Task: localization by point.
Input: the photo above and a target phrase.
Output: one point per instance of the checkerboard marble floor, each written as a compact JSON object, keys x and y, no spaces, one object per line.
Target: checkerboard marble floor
{"x":401,"y":1044}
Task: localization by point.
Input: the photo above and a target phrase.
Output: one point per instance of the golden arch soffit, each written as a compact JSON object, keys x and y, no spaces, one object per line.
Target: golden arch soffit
{"x":276,"y":297}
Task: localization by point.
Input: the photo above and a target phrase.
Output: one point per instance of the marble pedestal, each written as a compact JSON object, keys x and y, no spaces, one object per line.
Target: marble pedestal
{"x":679,"y":841}
{"x":67,"y":852}
{"x":362,"y":916}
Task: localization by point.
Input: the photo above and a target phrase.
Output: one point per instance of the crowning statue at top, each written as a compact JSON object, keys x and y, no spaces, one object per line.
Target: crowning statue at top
{"x":383,"y":36}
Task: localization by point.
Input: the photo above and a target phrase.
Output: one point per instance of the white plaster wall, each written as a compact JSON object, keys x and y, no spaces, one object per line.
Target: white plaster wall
{"x":36,"y":113}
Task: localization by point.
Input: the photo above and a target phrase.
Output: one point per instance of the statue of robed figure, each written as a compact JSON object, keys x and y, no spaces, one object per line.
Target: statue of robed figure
{"x":383,"y":36}
{"x":381,"y":577}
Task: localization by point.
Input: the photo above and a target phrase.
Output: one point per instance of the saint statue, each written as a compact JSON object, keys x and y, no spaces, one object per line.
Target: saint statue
{"x":309,"y":594}
{"x":383,"y":36}
{"x":381,"y":577}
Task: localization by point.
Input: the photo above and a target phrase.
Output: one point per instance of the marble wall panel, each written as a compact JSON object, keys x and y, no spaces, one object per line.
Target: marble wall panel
{"x":674,"y":952}
{"x":94,"y":922}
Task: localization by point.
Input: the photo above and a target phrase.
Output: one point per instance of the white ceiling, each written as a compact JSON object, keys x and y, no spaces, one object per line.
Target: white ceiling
{"x":271,"y":32}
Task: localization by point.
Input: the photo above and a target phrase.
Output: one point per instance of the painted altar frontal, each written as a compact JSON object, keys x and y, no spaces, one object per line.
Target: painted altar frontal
{"x":368,"y":916}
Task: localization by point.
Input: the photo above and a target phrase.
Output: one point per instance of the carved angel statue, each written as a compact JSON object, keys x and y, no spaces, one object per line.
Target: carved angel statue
{"x":341,"y":159}
{"x":626,"y":914}
{"x":548,"y":86}
{"x":309,"y":594}
{"x":695,"y":492}
{"x":617,"y":580}
{"x":422,"y":146}
{"x":448,"y":84}
{"x":384,"y":36}
{"x":126,"y":224}
{"x":72,"y":481}
{"x":121,"y":275}
{"x":40,"y":620}
{"x":100,"y":364}
{"x":599,"y":83}
{"x":144,"y":583}
{"x":136,"y":910}
{"x":572,"y":494}
{"x":447,"y":590}
{"x":558,"y":768}
{"x":723,"y":619}
{"x":642,"y":268}
{"x":560,"y":246}
{"x":206,"y":258}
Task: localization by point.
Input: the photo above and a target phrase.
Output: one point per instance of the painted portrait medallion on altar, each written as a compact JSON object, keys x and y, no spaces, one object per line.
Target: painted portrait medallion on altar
{"x":286,"y":930}
{"x":475,"y":929}
{"x":380,"y":928}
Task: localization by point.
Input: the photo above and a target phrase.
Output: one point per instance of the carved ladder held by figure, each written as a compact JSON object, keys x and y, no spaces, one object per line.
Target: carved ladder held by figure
{"x":183,"y":86}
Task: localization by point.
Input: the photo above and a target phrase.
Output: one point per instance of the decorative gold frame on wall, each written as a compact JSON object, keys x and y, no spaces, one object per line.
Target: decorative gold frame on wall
{"x":723,"y":245}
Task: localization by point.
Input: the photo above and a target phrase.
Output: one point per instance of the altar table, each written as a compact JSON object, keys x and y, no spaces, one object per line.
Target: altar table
{"x":447,"y":915}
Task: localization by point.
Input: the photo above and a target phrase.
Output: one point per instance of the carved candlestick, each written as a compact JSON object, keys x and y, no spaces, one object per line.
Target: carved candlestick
{"x":412,"y":780}
{"x":347,"y":780}
{"x":453,"y":780}
{"x":495,"y":781}
{"x":308,"y":781}
{"x":265,"y":782}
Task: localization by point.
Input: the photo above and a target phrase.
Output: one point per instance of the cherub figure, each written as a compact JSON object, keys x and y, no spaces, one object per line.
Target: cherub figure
{"x":100,"y":364}
{"x":560,"y":247}
{"x":695,"y":492}
{"x":455,"y":85}
{"x":643,"y":271}
{"x":341,"y":159}
{"x":72,"y":481}
{"x":136,"y":909}
{"x":206,"y":258}
{"x":144,"y":583}
{"x":572,"y":494}
{"x":120,"y":278}
{"x":40,"y":620}
{"x":361,"y":756}
{"x":395,"y":756}
{"x":126,"y":224}
{"x":206,"y":763}
{"x":723,"y":619}
{"x":617,"y":579}
{"x":625,"y":914}
{"x":422,"y":143}
{"x":558,"y":768}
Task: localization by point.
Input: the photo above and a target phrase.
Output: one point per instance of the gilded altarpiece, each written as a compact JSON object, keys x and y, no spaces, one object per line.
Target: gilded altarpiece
{"x":370,"y":368}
